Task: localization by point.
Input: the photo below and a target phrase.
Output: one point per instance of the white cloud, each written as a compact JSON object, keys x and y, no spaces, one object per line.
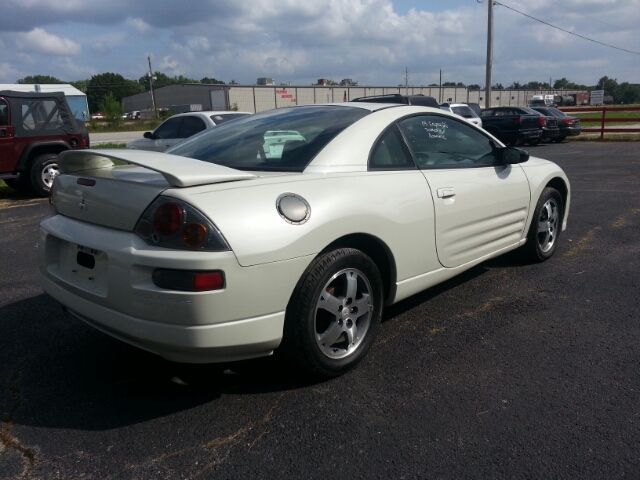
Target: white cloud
{"x":200,"y":44}
{"x":138,"y":24}
{"x":8,"y":74}
{"x":39,"y":41}
{"x":170,"y":63}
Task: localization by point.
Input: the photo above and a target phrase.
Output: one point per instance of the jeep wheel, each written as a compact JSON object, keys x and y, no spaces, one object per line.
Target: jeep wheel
{"x":43,"y":171}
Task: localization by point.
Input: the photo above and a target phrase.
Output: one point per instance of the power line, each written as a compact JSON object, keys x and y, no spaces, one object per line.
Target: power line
{"x":566,"y":31}
{"x":579,"y":13}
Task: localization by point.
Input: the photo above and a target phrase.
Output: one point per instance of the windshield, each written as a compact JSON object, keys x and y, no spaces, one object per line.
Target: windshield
{"x":286,"y":139}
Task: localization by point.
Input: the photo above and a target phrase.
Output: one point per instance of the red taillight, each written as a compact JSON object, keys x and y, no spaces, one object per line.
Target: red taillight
{"x":543,"y":122}
{"x":517,"y":121}
{"x":167,"y":219}
{"x":567,"y":121}
{"x":84,"y":143}
{"x":203,"y":282}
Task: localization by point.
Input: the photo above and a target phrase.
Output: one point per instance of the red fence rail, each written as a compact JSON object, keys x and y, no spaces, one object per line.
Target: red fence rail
{"x":603,"y":120}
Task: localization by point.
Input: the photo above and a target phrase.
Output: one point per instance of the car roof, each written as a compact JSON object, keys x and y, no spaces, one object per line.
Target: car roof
{"x":211,"y":112}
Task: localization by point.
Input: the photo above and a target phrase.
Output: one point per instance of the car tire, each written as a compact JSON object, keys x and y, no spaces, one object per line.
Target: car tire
{"x":560,"y":139}
{"x":535,"y":142}
{"x":44,"y":170}
{"x":544,"y":232}
{"x":334,"y":313}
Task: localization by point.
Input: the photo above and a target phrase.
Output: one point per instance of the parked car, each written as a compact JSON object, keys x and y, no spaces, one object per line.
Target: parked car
{"x":97,"y":116}
{"x":218,"y":251}
{"x":178,"y":127}
{"x":475,"y":107}
{"x":549,"y":125}
{"x":418,"y":99}
{"x":34,"y":129}
{"x":569,"y":126}
{"x":464,"y":111}
{"x":512,"y":125}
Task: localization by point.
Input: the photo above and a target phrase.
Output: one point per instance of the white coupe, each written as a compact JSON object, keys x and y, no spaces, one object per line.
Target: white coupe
{"x":289,"y":229}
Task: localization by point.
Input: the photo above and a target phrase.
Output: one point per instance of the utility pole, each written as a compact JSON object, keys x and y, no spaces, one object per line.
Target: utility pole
{"x":487,"y":96}
{"x":440,"y":88}
{"x":406,"y":80}
{"x":153,"y":96}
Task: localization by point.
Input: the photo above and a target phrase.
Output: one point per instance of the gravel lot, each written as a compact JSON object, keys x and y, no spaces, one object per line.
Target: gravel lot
{"x":508,"y":371}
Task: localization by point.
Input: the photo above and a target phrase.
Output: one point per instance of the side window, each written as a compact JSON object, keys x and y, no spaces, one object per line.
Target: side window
{"x":191,"y":126}
{"x":4,"y":113}
{"x":40,"y":115}
{"x":442,"y":142}
{"x":390,"y":152}
{"x":169,"y":129}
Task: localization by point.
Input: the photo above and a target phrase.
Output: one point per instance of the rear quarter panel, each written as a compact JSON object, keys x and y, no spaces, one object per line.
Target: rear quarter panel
{"x":395,"y":207}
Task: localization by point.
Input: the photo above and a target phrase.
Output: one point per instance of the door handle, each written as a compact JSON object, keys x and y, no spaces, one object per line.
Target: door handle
{"x":446,"y":192}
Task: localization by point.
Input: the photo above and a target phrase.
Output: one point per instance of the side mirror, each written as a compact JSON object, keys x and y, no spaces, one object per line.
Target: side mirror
{"x":148,"y":135}
{"x":512,"y":155}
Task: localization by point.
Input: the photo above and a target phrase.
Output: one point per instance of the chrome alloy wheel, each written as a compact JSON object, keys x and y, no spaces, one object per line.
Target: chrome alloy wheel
{"x":548,"y":225}
{"x":49,"y":174}
{"x":343,"y":313}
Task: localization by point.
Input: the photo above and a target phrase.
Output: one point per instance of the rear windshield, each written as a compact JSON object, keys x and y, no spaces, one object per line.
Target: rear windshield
{"x":465,"y":112}
{"x":285,"y":139}
{"x":220,"y":118}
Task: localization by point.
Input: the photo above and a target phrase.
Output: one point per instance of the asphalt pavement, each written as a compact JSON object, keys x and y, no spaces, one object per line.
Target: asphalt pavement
{"x":510,"y":370}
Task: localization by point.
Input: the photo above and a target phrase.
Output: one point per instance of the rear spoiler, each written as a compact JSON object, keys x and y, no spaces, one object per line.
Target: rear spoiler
{"x":178,"y":171}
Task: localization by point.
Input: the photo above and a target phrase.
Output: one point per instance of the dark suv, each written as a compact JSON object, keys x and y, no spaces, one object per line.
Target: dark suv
{"x":34,"y":129}
{"x":419,"y":99}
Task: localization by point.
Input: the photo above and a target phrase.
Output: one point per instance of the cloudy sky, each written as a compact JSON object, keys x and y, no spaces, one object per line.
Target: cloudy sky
{"x":299,"y":41}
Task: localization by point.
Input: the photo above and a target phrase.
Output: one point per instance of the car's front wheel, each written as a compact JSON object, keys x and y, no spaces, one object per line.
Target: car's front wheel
{"x":544,"y":232}
{"x":334,"y":314}
{"x":43,"y":172}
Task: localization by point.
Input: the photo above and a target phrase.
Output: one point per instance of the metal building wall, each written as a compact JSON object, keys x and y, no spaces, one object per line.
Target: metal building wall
{"x":260,"y":98}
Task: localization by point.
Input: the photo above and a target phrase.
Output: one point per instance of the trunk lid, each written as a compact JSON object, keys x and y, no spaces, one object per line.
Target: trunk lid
{"x":93,"y":189}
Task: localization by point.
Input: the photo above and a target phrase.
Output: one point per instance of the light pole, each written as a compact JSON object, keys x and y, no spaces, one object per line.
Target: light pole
{"x":153,"y":97}
{"x":487,"y":100}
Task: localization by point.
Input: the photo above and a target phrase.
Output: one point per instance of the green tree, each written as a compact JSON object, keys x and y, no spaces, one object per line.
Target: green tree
{"x":498,"y":86}
{"x":609,"y":85}
{"x":515,"y":86}
{"x":112,"y":110}
{"x":81,"y":85}
{"x":562,"y":83}
{"x":39,"y":79}
{"x":473,"y":86}
{"x":212,"y":81}
{"x":101,"y":85}
{"x":628,"y":93}
{"x":162,"y":80}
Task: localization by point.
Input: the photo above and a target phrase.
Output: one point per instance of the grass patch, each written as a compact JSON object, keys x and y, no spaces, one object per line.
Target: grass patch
{"x":109,"y":145}
{"x":593,"y":118}
{"x":102,"y":127}
{"x":608,"y":137}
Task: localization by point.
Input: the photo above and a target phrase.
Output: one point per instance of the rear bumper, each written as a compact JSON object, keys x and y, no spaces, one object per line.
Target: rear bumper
{"x":551,"y":133}
{"x":117,"y":295}
{"x":248,"y":338}
{"x":570,"y":131}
